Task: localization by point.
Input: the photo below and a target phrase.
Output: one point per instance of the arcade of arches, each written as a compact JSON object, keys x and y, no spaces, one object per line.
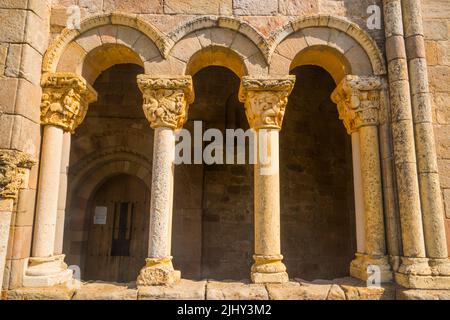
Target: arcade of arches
{"x":348,"y":193}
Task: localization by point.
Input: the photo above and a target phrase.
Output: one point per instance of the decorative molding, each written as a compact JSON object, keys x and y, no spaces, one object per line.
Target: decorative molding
{"x":166,"y":99}
{"x":367,"y":43}
{"x":57,"y":47}
{"x":358,"y":101}
{"x":265,"y":100}
{"x":13,"y":167}
{"x":65,"y":100}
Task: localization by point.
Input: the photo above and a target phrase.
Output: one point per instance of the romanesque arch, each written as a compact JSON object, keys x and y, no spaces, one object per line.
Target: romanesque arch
{"x":339,"y":46}
{"x":218,"y":42}
{"x":103,"y":41}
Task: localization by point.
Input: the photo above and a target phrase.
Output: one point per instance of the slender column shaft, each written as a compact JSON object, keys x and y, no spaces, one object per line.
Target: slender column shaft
{"x":265,"y":104}
{"x":62,"y":196}
{"x":64,"y":104}
{"x":47,"y":194}
{"x":166,"y":100}
{"x":162,"y":193}
{"x":431,"y":197}
{"x":359,"y":198}
{"x":372,"y":191}
{"x":267,"y":194}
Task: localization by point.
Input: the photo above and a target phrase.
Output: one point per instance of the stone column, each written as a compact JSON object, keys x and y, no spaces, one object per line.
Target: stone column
{"x":166,"y":101}
{"x":358,"y":102}
{"x":62,"y":194}
{"x":414,"y":264}
{"x":14,"y":169}
{"x":359,"y":197}
{"x":430,"y":190}
{"x":265,"y":103}
{"x":64,"y":105}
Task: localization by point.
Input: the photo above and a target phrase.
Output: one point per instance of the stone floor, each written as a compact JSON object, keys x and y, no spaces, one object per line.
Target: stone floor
{"x":339,"y":289}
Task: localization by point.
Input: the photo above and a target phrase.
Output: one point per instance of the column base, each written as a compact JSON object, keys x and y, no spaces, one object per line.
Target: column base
{"x":158,"y":272}
{"x":46,"y":272}
{"x":423,"y":273}
{"x":269,"y":269}
{"x":359,"y":267}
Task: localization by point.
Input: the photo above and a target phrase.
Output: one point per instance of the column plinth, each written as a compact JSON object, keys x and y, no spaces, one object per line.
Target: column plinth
{"x":166,"y":100}
{"x":265,"y":104}
{"x":65,"y":100}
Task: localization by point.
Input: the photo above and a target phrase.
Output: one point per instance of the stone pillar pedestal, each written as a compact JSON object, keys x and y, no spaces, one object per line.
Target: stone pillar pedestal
{"x":166,"y":101}
{"x":265,"y":103}
{"x":358,"y":102}
{"x":65,"y":101}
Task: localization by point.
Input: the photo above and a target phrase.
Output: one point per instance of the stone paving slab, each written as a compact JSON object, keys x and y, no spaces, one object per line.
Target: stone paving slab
{"x":106,"y":291}
{"x":184,"y":290}
{"x":222,"y":290}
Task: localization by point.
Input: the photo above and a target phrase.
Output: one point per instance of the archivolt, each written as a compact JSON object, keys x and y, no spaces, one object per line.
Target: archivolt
{"x":58,"y":46}
{"x":225,"y":23}
{"x":324,"y":21}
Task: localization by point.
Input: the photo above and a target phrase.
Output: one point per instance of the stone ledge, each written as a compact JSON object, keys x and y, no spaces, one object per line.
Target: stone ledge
{"x":106,"y":291}
{"x":184,"y":290}
{"x":298,"y":289}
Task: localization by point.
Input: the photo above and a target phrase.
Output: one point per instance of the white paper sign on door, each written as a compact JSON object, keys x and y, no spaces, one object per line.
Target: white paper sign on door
{"x":100,"y":215}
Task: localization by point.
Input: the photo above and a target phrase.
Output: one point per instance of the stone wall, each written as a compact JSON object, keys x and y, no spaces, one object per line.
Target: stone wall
{"x":24,"y":26}
{"x":436,"y":15}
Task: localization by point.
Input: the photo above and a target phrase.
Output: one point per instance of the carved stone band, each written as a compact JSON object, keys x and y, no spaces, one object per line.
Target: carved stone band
{"x":265,"y":100}
{"x":358,"y":101}
{"x":13,"y":165}
{"x":65,"y":100}
{"x":166,"y":99}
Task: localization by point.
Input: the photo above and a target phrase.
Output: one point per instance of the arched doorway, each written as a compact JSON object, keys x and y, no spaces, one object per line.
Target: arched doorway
{"x":317,"y":206}
{"x":118,"y":232}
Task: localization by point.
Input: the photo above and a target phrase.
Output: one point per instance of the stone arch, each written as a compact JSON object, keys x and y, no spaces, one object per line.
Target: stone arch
{"x":321,"y":38}
{"x":114,"y":38}
{"x":213,"y":39}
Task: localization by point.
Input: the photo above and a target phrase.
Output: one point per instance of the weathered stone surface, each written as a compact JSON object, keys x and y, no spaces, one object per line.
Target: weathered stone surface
{"x":404,"y":294}
{"x":184,"y":290}
{"x":106,"y":291}
{"x":298,"y":7}
{"x":134,"y":6}
{"x":235,"y":291}
{"x":51,"y":293}
{"x":252,"y":7}
{"x":197,"y":6}
{"x":298,"y":291}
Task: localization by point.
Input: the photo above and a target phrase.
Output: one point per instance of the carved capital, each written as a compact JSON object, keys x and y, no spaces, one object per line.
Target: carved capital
{"x":13,"y":167}
{"x":166,"y":99}
{"x":358,"y":101}
{"x":65,"y":100}
{"x":265,"y":100}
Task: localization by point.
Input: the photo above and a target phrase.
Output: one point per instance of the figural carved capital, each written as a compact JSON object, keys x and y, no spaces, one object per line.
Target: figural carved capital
{"x":358,"y":101}
{"x":265,"y":100}
{"x":65,"y":100}
{"x":166,"y":99}
{"x":13,"y":167}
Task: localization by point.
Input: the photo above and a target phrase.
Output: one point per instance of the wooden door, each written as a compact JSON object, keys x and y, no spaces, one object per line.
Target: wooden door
{"x":118,"y":232}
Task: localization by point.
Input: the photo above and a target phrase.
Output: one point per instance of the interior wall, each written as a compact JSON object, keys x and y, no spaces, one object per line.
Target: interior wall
{"x":317,"y":210}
